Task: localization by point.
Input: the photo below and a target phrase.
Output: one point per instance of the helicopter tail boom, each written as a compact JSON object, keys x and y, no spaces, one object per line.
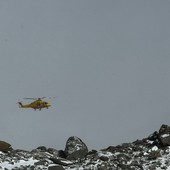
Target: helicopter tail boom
{"x":22,"y":106}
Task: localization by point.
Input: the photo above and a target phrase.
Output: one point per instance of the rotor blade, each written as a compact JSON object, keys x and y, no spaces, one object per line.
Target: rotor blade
{"x":31,"y":98}
{"x":53,"y":97}
{"x":34,"y":98}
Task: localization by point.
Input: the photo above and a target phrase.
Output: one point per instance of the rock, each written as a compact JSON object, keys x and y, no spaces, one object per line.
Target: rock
{"x":154,"y":137}
{"x":93,"y":151}
{"x":52,"y":151}
{"x":75,"y":148}
{"x":56,"y":153}
{"x":42,"y":148}
{"x":164,"y":135}
{"x":5,"y":147}
{"x":104,"y":158}
{"x":62,"y":154}
{"x":154,"y":155}
{"x":149,"y":153}
{"x":61,"y":161}
{"x":55,"y":167}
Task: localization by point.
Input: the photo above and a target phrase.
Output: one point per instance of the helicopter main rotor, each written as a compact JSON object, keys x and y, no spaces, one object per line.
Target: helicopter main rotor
{"x":35,"y":98}
{"x":39,"y":98}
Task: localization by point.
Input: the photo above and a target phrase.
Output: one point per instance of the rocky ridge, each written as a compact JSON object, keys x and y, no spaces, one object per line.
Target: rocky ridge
{"x":151,"y":153}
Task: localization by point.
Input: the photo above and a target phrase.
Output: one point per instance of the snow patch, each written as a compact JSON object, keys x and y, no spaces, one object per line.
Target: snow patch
{"x":9,"y":166}
{"x":165,"y":135}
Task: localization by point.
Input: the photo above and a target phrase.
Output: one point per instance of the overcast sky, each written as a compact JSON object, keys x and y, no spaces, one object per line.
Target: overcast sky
{"x":108,"y":63}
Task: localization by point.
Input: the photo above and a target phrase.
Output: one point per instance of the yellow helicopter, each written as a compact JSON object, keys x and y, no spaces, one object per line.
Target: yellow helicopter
{"x":37,"y":104}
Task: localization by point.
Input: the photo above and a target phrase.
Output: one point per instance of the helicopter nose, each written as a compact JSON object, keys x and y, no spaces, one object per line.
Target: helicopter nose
{"x":49,"y":104}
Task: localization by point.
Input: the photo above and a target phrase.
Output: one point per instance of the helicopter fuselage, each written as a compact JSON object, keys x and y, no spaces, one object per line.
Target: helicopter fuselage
{"x":38,"y":104}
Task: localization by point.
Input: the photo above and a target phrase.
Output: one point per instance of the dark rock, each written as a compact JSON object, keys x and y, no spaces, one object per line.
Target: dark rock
{"x":57,"y":153}
{"x":5,"y":147}
{"x":123,"y":157}
{"x":92,"y":152}
{"x":153,"y":136}
{"x":75,"y":148}
{"x":55,"y":167}
{"x":164,"y":135}
{"x":154,"y":155}
{"x":52,"y":151}
{"x":32,"y":167}
{"x":129,"y":167}
{"x":42,"y":148}
{"x":62,"y":154}
{"x":123,"y":167}
{"x":61,"y":161}
{"x":41,"y":162}
{"x":111,"y":149}
{"x":104,"y":158}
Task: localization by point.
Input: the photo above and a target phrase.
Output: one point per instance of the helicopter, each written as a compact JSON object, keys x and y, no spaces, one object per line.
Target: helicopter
{"x":37,"y":104}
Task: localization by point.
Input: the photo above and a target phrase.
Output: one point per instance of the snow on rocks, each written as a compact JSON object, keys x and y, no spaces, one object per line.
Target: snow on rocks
{"x":18,"y":164}
{"x":150,"y":153}
{"x":164,"y":135}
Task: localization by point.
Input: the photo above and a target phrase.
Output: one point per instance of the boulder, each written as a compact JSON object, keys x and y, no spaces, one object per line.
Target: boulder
{"x":164,"y":135}
{"x":75,"y":148}
{"x":5,"y":147}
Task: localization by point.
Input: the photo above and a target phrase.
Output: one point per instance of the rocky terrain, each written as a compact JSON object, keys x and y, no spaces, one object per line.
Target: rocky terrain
{"x":150,"y":153}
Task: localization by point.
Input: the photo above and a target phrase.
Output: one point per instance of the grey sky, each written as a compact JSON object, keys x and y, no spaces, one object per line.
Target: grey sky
{"x":106,"y":61}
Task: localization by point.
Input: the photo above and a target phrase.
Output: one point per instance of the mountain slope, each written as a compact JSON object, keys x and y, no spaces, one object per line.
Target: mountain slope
{"x":151,"y":153}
